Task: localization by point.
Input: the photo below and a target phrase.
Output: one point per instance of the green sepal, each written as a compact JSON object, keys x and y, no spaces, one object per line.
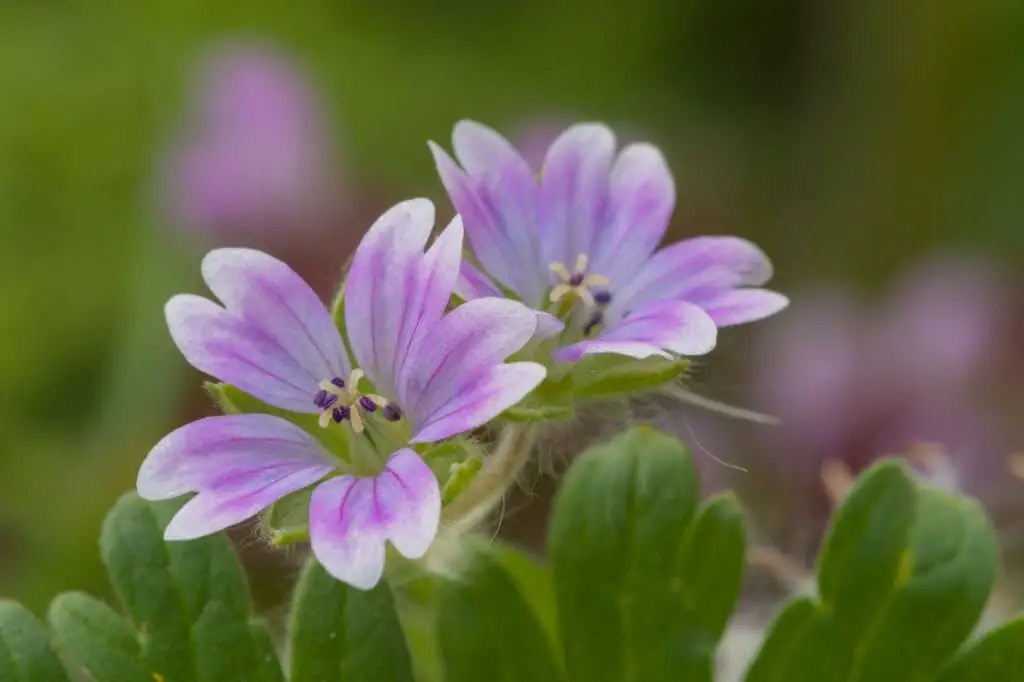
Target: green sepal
{"x":607,"y":375}
{"x":25,"y":651}
{"x":461,"y":474}
{"x":286,"y":521}
{"x":341,"y":634}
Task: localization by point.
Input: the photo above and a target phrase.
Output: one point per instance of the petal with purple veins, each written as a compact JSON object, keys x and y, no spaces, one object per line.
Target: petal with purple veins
{"x":238,"y":465}
{"x":351,"y":518}
{"x":395,"y":292}
{"x":674,"y":326}
{"x":468,"y":341}
{"x":269,"y":296}
{"x":738,"y":306}
{"x":480,"y":400}
{"x":574,"y":191}
{"x":497,"y":195}
{"x":642,"y":196}
{"x":474,"y":284}
{"x":220,"y":344}
{"x":696,"y":269}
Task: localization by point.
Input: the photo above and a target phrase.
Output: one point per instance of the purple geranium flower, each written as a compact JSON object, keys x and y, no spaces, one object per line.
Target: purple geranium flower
{"x":579,"y":245}
{"x":422,"y":375}
{"x":257,"y":157}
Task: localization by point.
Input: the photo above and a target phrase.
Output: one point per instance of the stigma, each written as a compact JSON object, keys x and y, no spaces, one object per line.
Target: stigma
{"x":578,"y":283}
{"x":340,"y":401}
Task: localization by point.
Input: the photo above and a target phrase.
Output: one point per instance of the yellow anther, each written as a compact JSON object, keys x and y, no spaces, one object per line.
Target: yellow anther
{"x":577,"y":282}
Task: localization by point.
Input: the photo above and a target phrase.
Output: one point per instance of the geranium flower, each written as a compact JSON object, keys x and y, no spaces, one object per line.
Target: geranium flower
{"x":579,"y":245}
{"x":256,"y":157}
{"x":420,"y":375}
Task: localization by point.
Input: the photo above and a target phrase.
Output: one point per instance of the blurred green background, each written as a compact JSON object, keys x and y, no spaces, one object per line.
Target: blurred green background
{"x":848,"y":139}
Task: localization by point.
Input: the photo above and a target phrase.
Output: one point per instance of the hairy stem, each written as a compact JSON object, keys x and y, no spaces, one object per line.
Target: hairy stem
{"x":490,"y":485}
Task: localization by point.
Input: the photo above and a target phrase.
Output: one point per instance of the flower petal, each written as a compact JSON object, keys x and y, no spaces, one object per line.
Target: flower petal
{"x":738,"y":306}
{"x":220,"y":344}
{"x":351,"y":518}
{"x":491,"y":393}
{"x":269,"y":296}
{"x":574,"y":191}
{"x":468,"y":341}
{"x":498,"y":199}
{"x":695,"y":270}
{"x":474,"y":284}
{"x":238,"y":465}
{"x":396,"y":293}
{"x":676,"y":326}
{"x":642,"y":197}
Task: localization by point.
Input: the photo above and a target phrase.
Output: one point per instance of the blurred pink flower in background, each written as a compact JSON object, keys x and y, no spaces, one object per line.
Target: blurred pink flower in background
{"x":853,"y":384}
{"x":256,"y":157}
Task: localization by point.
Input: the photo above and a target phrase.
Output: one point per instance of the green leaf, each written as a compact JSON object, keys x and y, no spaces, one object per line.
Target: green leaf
{"x":622,"y":550}
{"x":953,"y":568}
{"x":487,"y":630}
{"x":25,"y":651}
{"x":996,"y":657}
{"x":607,"y":375}
{"x":231,"y":400}
{"x":346,"y":635}
{"x":537,"y":586}
{"x":287,"y":521}
{"x":188,"y":598}
{"x":783,"y":637}
{"x":710,"y":576}
{"x":534,"y":410}
{"x":98,"y":640}
{"x":866,"y":548}
{"x":904,"y":578}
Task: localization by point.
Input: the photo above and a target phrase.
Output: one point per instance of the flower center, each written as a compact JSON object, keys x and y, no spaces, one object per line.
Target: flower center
{"x":340,"y":401}
{"x":578,"y":284}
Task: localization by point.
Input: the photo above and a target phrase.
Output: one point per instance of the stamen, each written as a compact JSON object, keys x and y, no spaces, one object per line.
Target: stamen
{"x":595,"y":320}
{"x":603,"y":297}
{"x":581,"y":262}
{"x":391,"y":412}
{"x":340,"y":414}
{"x":338,"y":382}
{"x":366,"y":402}
{"x":577,"y":282}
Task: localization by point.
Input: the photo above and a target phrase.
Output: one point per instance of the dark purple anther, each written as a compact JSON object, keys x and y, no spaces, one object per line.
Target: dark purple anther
{"x":324,"y":399}
{"x":391,"y":412}
{"x":340,"y":414}
{"x":603,"y":297}
{"x":576,"y":279}
{"x":338,"y":382}
{"x":593,"y":322}
{"x":367,"y":404}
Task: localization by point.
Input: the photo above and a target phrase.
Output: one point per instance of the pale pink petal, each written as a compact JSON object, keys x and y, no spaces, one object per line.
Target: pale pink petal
{"x":675,"y":326}
{"x":642,"y":196}
{"x":352,"y":518}
{"x":467,"y":343}
{"x":574,"y":191}
{"x":395,"y":292}
{"x":474,"y":284}
{"x":738,"y":306}
{"x":547,"y":326}
{"x":220,"y":344}
{"x":269,"y":296}
{"x":695,"y":270}
{"x":497,"y":195}
{"x":238,"y":465}
{"x":491,"y":393}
